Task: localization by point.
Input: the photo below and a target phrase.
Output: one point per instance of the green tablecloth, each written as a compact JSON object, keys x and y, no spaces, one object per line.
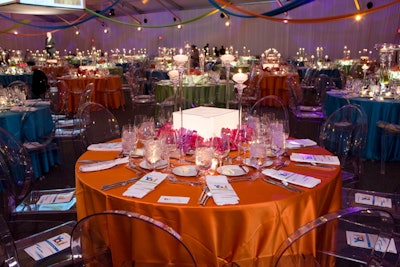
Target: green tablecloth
{"x":209,"y":94}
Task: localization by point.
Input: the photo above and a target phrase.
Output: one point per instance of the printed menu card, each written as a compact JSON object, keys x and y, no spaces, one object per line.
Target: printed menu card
{"x":49,"y":247}
{"x":323,"y":159}
{"x":145,"y":185}
{"x":293,"y":178}
{"x":221,"y":190}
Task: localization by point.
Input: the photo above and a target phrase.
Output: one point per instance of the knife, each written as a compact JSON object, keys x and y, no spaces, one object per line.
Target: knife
{"x":121,"y":183}
{"x":318,"y":167}
{"x":286,"y":186}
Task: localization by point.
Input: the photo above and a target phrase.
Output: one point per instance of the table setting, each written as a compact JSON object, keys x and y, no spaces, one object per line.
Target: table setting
{"x":197,"y":193}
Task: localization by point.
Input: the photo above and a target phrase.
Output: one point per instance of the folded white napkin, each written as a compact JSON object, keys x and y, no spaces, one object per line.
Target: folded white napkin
{"x":111,"y":146}
{"x":22,"y":109}
{"x":103,"y":165}
{"x":324,"y":159}
{"x":145,"y":185}
{"x":298,"y":143}
{"x":293,"y":178}
{"x":221,"y":190}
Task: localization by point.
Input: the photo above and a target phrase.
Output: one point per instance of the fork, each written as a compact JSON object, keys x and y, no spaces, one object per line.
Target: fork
{"x":205,"y":195}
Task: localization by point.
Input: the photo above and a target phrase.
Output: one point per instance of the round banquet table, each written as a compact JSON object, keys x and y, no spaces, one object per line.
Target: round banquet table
{"x":247,"y":233}
{"x":386,"y":110}
{"x":111,"y":82}
{"x":199,"y":94}
{"x":275,"y":84}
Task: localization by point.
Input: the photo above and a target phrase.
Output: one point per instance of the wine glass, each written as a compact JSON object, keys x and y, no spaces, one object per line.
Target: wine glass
{"x":153,"y":152}
{"x":278,"y":139}
{"x":203,"y":156}
{"x":242,"y":141}
{"x":170,"y":144}
{"x":146,"y":128}
{"x":221,"y":147}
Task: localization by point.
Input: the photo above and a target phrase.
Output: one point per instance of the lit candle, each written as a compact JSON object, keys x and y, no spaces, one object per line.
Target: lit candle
{"x":240,"y":77}
{"x":181,"y":58}
{"x":227,"y":58}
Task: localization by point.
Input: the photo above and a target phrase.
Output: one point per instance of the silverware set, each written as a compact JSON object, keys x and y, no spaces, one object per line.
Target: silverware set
{"x":283,"y":184}
{"x":121,"y":183}
{"x":205,"y":195}
{"x":173,"y":179}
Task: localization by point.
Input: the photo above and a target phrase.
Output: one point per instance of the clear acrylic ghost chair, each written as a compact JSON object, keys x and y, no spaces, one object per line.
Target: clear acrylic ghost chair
{"x":168,"y":107}
{"x":390,"y":132}
{"x":18,"y":87}
{"x":122,"y":238}
{"x":98,"y":123}
{"x":344,"y":133}
{"x":354,"y":236}
{"x":13,"y":252}
{"x":302,"y":115}
{"x":20,"y":202}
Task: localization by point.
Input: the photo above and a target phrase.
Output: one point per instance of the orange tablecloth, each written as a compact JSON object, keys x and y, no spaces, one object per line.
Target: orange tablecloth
{"x":248,"y":233}
{"x":100,"y":83}
{"x":272,"y":84}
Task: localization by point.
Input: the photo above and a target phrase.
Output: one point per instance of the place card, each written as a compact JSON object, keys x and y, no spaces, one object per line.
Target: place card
{"x":56,"y":198}
{"x":221,"y":190}
{"x":49,"y":247}
{"x":372,"y":200}
{"x":173,"y":199}
{"x":145,"y":185}
{"x":365,"y":240}
{"x":324,"y":159}
{"x":293,"y":178}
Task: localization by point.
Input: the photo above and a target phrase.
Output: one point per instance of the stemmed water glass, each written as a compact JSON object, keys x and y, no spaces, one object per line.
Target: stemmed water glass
{"x":242,"y":141}
{"x":203,"y":156}
{"x":221,"y":147}
{"x":278,"y":139}
{"x":146,"y":128}
{"x":170,"y":143}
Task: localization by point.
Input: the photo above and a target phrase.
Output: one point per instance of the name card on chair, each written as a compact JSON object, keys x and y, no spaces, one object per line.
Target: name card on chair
{"x":49,"y":247}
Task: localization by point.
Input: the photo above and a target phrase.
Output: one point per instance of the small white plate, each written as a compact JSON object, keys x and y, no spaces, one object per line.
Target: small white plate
{"x":267,"y":163}
{"x":160,"y":165}
{"x":232,"y":170}
{"x":185,"y":170}
{"x":138,"y":153}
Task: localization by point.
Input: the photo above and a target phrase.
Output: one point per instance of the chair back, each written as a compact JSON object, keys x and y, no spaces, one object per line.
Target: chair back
{"x":122,"y":238}
{"x":17,"y":170}
{"x":59,"y":98}
{"x":344,"y":133}
{"x":277,"y":107}
{"x":169,"y":106}
{"x":350,"y":236}
{"x":19,"y":90}
{"x":98,"y":123}
{"x":8,"y":254}
{"x":86,"y":96}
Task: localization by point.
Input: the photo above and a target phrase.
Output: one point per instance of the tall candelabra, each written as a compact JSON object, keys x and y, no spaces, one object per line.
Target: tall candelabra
{"x":174,"y":77}
{"x":226,"y":61}
{"x":240,"y":78}
{"x":181,"y":60}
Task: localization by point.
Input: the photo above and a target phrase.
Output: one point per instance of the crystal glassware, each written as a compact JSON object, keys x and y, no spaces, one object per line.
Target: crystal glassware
{"x":153,"y":152}
{"x":203,"y":156}
{"x":221,"y":147}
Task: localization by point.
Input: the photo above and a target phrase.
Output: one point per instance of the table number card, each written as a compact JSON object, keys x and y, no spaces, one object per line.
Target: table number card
{"x":173,"y":199}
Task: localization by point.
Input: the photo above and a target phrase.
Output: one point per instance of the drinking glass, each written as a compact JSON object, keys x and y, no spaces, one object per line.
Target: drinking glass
{"x":129,"y":139}
{"x":221,"y":147}
{"x":242,"y":140}
{"x":153,"y":152}
{"x":203,"y":156}
{"x":278,"y":139}
{"x":146,"y":128}
{"x":258,"y":155}
{"x":170,"y":144}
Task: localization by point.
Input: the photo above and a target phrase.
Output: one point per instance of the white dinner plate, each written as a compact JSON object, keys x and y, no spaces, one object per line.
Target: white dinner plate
{"x":160,"y":165}
{"x":185,"y":170}
{"x":139,"y":152}
{"x":267,"y":163}
{"x":232,"y":170}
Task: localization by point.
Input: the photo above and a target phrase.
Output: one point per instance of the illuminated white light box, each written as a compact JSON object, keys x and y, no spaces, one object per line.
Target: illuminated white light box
{"x":42,"y":7}
{"x":207,"y":121}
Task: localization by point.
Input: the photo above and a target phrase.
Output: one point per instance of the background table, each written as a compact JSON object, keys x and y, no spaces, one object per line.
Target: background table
{"x":39,"y":121}
{"x":6,"y":79}
{"x":248,"y":233}
{"x":275,"y":84}
{"x":387,"y":110}
{"x":100,"y":83}
{"x":212,"y":94}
